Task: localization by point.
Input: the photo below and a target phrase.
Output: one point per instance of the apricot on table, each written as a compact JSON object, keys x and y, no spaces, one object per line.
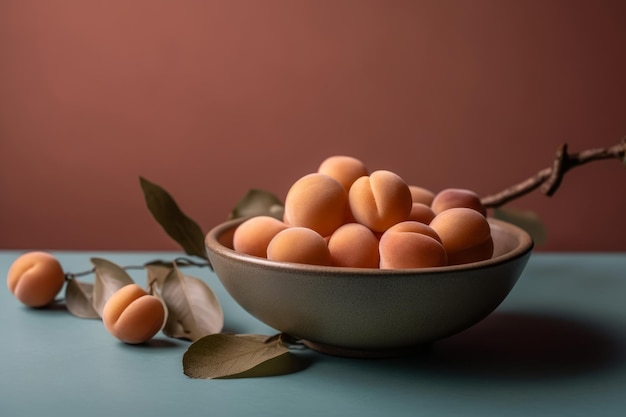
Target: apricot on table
{"x":345,"y":169}
{"x":465,"y":233}
{"x":35,"y":278}
{"x":354,"y":245}
{"x":380,"y":200}
{"x":253,"y":235}
{"x":132,"y":315}
{"x":299,"y":245}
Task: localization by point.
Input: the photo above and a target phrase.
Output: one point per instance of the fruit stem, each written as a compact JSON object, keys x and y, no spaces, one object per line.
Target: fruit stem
{"x":179,"y":262}
{"x":549,"y":179}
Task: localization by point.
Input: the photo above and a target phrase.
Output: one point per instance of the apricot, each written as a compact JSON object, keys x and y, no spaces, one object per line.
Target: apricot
{"x":354,"y":245}
{"x":421,"y":213}
{"x":299,"y":245}
{"x":35,"y":278}
{"x":465,"y":234}
{"x":415,"y":227}
{"x":345,"y":169}
{"x":406,"y":247}
{"x":132,"y":315}
{"x":318,"y":202}
{"x":380,"y":200}
{"x":253,"y":235}
{"x":457,"y":197}
{"x":421,"y":195}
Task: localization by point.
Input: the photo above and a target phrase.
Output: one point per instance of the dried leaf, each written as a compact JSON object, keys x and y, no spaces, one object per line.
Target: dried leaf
{"x":79,"y":299}
{"x":258,"y":203}
{"x":229,"y":355}
{"x":109,"y":278}
{"x":527,"y":220}
{"x":157,"y":273}
{"x":176,"y":224}
{"x":193,"y":308}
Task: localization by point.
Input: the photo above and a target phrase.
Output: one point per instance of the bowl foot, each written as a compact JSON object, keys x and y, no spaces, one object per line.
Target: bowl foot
{"x":365,"y":353}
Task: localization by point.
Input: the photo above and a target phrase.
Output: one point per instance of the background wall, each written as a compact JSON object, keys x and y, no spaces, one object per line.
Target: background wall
{"x":211,"y":98}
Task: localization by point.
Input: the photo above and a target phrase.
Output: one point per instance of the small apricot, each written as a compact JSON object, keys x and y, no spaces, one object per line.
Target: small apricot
{"x":457,"y":197}
{"x":421,"y":195}
{"x":380,"y":200}
{"x":35,"y":278}
{"x":345,"y":169}
{"x":354,"y":245}
{"x":404,"y":248}
{"x":132,"y":315}
{"x":299,"y":245}
{"x":415,"y":227}
{"x":253,"y":235}
{"x":465,"y":233}
{"x":422,"y":213}
{"x":316,"y":201}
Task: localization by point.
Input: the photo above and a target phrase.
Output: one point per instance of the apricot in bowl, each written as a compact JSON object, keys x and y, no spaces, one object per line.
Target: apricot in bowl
{"x":353,"y":311}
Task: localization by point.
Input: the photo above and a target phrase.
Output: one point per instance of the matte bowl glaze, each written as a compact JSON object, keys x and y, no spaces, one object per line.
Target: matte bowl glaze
{"x":369,"y":312}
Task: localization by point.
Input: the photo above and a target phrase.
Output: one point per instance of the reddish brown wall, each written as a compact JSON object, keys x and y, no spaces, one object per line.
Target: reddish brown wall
{"x":211,"y":98}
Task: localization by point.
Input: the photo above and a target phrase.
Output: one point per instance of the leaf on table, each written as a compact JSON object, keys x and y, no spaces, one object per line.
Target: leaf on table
{"x":258,"y":203}
{"x":79,"y":299}
{"x":238,"y":356}
{"x":176,"y":224}
{"x":109,"y":278}
{"x":193,"y":308}
{"x":527,"y":220}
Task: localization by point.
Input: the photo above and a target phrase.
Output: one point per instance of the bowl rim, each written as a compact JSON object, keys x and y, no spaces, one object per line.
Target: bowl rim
{"x":212,"y":244}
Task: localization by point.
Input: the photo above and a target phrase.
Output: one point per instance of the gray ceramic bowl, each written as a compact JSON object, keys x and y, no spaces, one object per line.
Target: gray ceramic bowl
{"x":369,"y":312}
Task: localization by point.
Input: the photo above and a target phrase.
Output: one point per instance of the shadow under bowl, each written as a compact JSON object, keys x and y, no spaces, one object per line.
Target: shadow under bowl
{"x":369,"y":312}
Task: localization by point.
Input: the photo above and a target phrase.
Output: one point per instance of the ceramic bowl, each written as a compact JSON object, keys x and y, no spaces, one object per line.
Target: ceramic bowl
{"x":369,"y":312}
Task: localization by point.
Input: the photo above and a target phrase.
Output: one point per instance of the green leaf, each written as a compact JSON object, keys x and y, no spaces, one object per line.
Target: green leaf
{"x":527,"y":220}
{"x":229,"y":355}
{"x":176,"y":224}
{"x":258,"y":203}
{"x":79,"y":299}
{"x":109,"y":278}
{"x":193,"y":308}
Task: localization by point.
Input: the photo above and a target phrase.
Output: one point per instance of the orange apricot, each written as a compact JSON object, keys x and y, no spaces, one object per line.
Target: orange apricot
{"x":253,"y":235}
{"x":345,"y":169}
{"x":354,"y":245}
{"x":299,"y":245}
{"x":405,"y":248}
{"x":132,"y":315}
{"x":380,"y":200}
{"x":457,"y":197}
{"x":35,"y":278}
{"x":316,"y":201}
{"x":415,"y":227}
{"x":421,"y":195}
{"x":465,"y":233}
{"x":422,"y":213}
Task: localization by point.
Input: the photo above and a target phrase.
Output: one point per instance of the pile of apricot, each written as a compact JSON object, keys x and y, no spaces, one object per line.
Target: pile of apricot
{"x":343,"y":215}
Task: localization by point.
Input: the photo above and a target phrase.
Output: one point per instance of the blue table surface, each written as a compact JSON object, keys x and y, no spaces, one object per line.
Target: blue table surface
{"x":556,"y":346}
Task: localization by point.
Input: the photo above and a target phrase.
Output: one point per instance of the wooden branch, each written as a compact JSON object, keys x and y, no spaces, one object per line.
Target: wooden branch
{"x":549,"y":179}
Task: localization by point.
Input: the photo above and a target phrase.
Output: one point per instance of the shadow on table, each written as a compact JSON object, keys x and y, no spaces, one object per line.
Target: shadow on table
{"x":520,"y":346}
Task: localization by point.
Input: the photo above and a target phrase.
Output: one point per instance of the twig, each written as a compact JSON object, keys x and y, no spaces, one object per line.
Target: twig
{"x":549,"y":179}
{"x":180,"y":262}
